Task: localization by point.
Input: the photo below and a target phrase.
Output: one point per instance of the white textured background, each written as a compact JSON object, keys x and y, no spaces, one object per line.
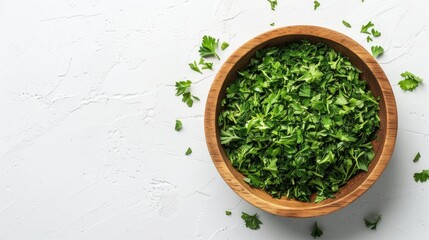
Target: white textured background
{"x":87,"y":110}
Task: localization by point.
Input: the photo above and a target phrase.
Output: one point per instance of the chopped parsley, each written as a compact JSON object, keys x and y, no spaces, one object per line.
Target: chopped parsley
{"x":299,"y":120}
{"x":365,"y":28}
{"x":410,"y":81}
{"x":228,"y":213}
{"x":372,"y":223}
{"x":208,"y":47}
{"x":182,"y":89}
{"x":377,"y":51}
{"x":317,"y":232}
{"x":194,"y":66}
{"x":178,"y":125}
{"x":422,"y":176}
{"x":417,"y":157}
{"x":368,"y":39}
{"x":206,"y":65}
{"x":224,"y":45}
{"x":272,"y":24}
{"x":273,"y":4}
{"x":316,"y":4}
{"x":188,"y":151}
{"x":375,"y":33}
{"x":252,"y":221}
{"x":347,"y":24}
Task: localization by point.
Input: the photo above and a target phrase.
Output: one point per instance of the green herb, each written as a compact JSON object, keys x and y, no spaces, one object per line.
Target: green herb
{"x":372,"y":223}
{"x":317,"y":232}
{"x":377,"y":51}
{"x":273,"y":4}
{"x":375,"y":33}
{"x":178,"y":126}
{"x":368,"y":39}
{"x":194,"y":66}
{"x":206,"y":65}
{"x":272,"y":24}
{"x":208,"y":47}
{"x":252,"y":221}
{"x":366,"y":27}
{"x":224,"y":45}
{"x":410,"y":81}
{"x":347,"y":24}
{"x":298,"y":120}
{"x":188,"y":151}
{"x":316,"y":5}
{"x":422,"y":176}
{"x":182,"y":89}
{"x":417,"y":157}
{"x":228,"y":213}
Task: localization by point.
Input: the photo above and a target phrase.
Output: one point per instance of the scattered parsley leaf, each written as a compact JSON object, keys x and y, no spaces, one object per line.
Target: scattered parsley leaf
{"x":316,"y":4}
{"x":252,"y":221}
{"x":410,"y":81}
{"x":182,"y":87}
{"x":224,"y":45}
{"x":228,"y":213}
{"x":366,"y":27}
{"x":422,"y":176}
{"x":317,"y":232}
{"x":377,"y":51}
{"x":272,"y":24}
{"x":372,"y":223}
{"x":178,"y":125}
{"x":375,"y":33}
{"x":417,"y":157}
{"x":208,"y":47}
{"x":206,"y":65}
{"x":188,"y":151}
{"x":347,"y":24}
{"x":194,"y":66}
{"x":273,"y":4}
{"x":368,"y":39}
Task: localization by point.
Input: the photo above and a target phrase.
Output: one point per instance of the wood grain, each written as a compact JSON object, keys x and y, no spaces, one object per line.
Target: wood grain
{"x":378,"y":84}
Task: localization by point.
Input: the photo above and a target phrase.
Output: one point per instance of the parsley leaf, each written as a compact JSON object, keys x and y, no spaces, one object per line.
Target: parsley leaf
{"x":206,"y":65}
{"x":316,"y":4}
{"x":272,"y":24}
{"x":178,"y":125}
{"x":228,"y":213}
{"x":422,"y":176}
{"x":368,"y":39}
{"x":377,"y":51}
{"x":317,"y":232}
{"x":375,"y":33}
{"x":410,"y":81}
{"x":417,"y":157}
{"x":188,"y":151}
{"x":252,"y":221}
{"x":194,"y":66}
{"x":224,"y":45}
{"x":208,"y":47}
{"x":182,"y":88}
{"x":372,"y":223}
{"x":273,"y":4}
{"x":347,"y":24}
{"x":366,"y":27}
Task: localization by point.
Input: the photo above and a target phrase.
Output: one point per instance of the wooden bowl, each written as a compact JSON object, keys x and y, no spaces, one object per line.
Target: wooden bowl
{"x":378,"y":84}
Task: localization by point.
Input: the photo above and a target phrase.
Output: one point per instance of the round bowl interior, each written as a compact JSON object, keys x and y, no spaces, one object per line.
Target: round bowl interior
{"x":371,"y":73}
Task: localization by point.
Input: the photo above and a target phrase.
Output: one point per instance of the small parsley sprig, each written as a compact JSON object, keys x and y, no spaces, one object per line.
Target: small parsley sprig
{"x":317,"y":232}
{"x":206,"y":65}
{"x":273,"y":4}
{"x":194,"y":66}
{"x":316,"y":4}
{"x":377,"y":51}
{"x":422,"y":176}
{"x":208,"y":47}
{"x":372,"y":223}
{"x":252,"y":221}
{"x":410,"y":81}
{"x":182,"y":89}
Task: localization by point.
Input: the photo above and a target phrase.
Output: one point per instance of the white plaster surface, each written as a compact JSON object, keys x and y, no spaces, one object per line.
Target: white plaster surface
{"x":87,"y":111}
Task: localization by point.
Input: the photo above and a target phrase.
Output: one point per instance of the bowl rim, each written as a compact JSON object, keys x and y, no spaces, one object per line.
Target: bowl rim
{"x":212,"y":136}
